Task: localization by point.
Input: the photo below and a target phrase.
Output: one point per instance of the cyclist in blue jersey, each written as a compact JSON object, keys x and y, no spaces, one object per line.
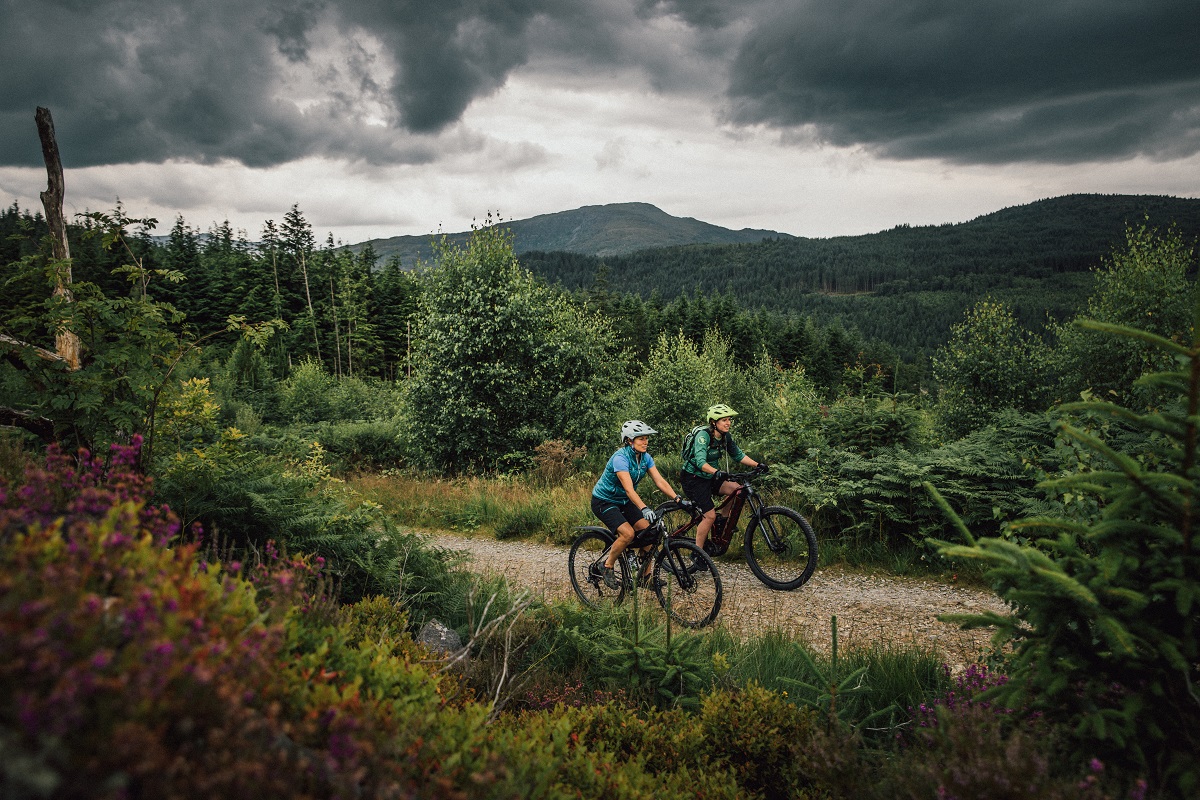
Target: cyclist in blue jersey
{"x":615,"y":499}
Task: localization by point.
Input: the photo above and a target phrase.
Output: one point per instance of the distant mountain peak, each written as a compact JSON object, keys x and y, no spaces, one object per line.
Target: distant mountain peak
{"x":597,"y":230}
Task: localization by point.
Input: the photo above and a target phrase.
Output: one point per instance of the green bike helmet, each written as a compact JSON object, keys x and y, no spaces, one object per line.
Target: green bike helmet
{"x":720,"y":411}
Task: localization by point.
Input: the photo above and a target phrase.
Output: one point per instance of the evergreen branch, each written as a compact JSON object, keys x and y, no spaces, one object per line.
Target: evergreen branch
{"x":954,"y":518}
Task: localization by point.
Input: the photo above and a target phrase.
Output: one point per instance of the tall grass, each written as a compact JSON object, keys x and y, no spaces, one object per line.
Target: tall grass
{"x":506,"y":507}
{"x":899,"y":677}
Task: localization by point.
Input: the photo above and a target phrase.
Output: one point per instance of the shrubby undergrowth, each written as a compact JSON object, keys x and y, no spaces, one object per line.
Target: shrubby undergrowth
{"x":139,"y":666}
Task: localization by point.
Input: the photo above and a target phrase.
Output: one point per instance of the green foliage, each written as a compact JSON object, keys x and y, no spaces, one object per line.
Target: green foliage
{"x":989,"y":364}
{"x":354,"y":446}
{"x":524,"y":521}
{"x":794,"y":416}
{"x":668,"y":670}
{"x":504,"y":362}
{"x":1104,"y":622}
{"x":673,"y":391}
{"x":244,"y":498}
{"x":680,"y":382}
{"x":132,"y":343}
{"x":246,"y":381}
{"x":885,"y":679}
{"x":1148,"y":285}
{"x":870,"y":423}
{"x":990,"y":475}
{"x":776,"y":749}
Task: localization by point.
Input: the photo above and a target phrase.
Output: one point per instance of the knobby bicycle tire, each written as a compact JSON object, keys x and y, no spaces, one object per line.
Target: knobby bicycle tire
{"x":692,"y":598}
{"x":585,"y":563}
{"x":790,"y":562}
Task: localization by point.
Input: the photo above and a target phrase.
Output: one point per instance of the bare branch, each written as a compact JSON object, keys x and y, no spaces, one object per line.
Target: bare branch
{"x":40,"y":352}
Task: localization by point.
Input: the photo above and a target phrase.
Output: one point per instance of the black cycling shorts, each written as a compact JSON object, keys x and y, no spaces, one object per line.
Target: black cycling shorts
{"x":614,"y":515}
{"x":700,"y":491}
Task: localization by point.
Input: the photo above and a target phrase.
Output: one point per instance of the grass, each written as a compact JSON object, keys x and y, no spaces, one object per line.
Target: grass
{"x":893,"y":676}
{"x":507,"y":508}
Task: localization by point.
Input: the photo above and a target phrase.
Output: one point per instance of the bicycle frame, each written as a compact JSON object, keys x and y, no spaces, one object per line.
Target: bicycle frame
{"x":653,"y":537}
{"x":732,"y":504}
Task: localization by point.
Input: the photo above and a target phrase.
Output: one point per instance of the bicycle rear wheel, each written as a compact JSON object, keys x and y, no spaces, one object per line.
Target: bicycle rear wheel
{"x":691,"y":598}
{"x":781,"y":548}
{"x":586,"y":566}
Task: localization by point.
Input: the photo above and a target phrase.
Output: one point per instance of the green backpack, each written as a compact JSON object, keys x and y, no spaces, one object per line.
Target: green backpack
{"x":689,"y":441}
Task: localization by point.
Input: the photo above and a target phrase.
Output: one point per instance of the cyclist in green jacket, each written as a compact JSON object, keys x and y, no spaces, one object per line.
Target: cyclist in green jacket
{"x":702,"y":477}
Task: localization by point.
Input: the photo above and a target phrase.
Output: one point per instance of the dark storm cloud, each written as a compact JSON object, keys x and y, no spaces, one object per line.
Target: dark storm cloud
{"x":984,"y":81}
{"x":264,"y":82}
{"x":258,"y":82}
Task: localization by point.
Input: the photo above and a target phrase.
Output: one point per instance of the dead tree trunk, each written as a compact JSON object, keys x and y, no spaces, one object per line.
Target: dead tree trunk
{"x":66,"y":343}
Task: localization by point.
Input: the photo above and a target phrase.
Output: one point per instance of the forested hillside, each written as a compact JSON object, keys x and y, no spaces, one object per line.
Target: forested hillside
{"x":907,"y":285}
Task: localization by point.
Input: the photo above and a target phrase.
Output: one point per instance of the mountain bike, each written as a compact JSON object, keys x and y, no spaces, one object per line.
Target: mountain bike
{"x":690,"y":598}
{"x":779,"y":545}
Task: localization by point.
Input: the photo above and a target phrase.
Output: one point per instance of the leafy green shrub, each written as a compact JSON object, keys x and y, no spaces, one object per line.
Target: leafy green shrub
{"x":1147,"y":284}
{"x":989,"y":364}
{"x":871,"y":423}
{"x":775,"y":749}
{"x":364,"y":445}
{"x":608,"y":751}
{"x":246,"y":381}
{"x":307,"y":394}
{"x":504,"y":361}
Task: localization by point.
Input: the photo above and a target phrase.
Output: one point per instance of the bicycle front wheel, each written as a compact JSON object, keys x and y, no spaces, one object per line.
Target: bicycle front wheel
{"x":691,"y":596}
{"x":781,"y":548}
{"x":586,"y":565}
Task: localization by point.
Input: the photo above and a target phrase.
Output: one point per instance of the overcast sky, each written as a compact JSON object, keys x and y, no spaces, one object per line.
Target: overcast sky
{"x":386,"y":117}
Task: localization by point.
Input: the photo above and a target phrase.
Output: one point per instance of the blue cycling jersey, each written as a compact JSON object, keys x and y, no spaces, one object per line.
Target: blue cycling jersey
{"x":626,"y":459}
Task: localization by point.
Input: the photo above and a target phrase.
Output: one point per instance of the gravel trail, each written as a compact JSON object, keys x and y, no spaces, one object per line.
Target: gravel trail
{"x":870,"y":609}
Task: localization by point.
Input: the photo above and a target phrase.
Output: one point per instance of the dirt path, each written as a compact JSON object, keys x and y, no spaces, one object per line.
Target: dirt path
{"x":869,"y":609}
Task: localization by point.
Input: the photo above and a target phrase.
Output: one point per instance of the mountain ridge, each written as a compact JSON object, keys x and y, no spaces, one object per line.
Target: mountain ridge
{"x":596,"y":230}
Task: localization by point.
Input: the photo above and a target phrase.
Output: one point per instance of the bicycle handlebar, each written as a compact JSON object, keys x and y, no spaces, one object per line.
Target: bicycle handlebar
{"x":743,"y":477}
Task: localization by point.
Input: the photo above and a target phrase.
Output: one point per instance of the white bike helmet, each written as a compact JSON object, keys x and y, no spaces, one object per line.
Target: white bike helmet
{"x":635,"y":428}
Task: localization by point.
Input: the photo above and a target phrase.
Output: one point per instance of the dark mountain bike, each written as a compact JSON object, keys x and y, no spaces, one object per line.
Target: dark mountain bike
{"x":780,"y":546}
{"x":690,"y":598}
